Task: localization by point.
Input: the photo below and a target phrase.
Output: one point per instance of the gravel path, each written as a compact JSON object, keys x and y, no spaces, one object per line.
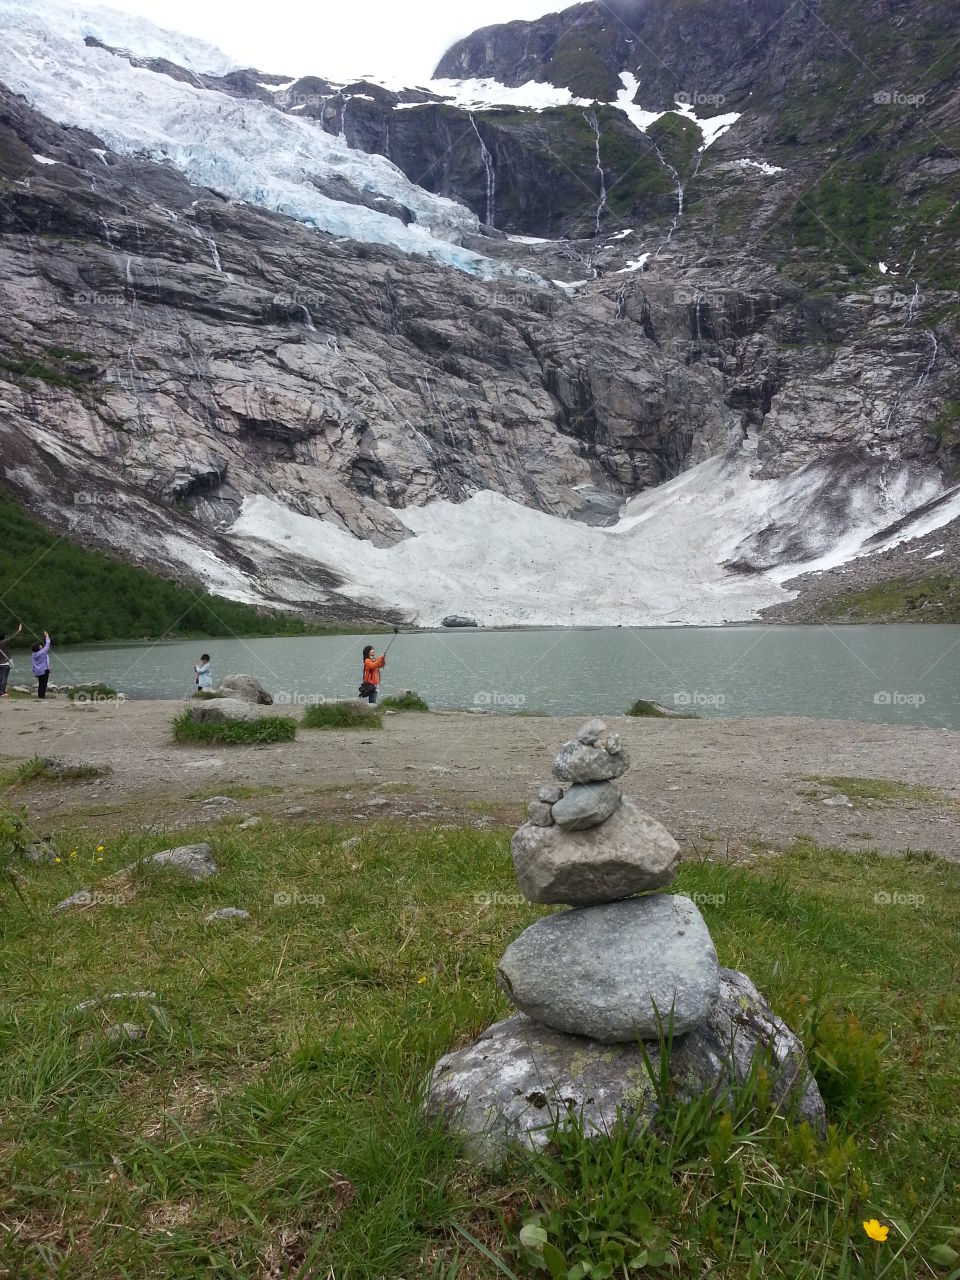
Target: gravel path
{"x":720,"y":785}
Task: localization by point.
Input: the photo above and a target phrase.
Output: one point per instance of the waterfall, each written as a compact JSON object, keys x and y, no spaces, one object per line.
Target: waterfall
{"x":491,"y":175}
{"x":925,"y":373}
{"x":679,"y":185}
{"x":912,"y":304}
{"x":595,"y":125}
{"x":106,"y":230}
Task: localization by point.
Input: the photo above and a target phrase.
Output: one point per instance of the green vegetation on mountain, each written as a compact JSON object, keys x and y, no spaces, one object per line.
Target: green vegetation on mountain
{"x":80,"y":596}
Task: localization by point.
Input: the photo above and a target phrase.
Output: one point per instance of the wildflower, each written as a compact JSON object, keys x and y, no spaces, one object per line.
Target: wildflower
{"x":99,"y":859}
{"x":74,"y":854}
{"x":56,"y":859}
{"x":421,"y":981}
{"x":99,"y":848}
{"x":876,"y":1231}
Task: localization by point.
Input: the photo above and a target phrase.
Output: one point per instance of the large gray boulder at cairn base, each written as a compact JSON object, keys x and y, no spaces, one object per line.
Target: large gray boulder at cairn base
{"x":246,"y":688}
{"x":599,"y":971}
{"x":629,"y":853}
{"x":520,"y":1079}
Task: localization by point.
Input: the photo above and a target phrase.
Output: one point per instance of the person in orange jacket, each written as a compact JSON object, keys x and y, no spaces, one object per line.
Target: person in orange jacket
{"x":372,"y":666}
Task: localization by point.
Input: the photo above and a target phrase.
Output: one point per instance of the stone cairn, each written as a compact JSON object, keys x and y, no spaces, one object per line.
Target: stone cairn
{"x":593,"y":981}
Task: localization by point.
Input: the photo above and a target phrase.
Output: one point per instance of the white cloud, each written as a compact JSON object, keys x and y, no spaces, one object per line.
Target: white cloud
{"x":385,"y":38}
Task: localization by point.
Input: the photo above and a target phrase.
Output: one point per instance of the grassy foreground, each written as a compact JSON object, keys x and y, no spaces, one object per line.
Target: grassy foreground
{"x":266,"y":1124}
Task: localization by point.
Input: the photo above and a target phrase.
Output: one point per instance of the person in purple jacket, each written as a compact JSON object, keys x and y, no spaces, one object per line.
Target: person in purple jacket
{"x":41,"y":664}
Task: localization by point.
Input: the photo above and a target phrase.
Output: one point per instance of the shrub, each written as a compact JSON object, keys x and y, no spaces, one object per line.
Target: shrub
{"x":342,"y":715}
{"x":408,"y":701}
{"x":234,"y":732}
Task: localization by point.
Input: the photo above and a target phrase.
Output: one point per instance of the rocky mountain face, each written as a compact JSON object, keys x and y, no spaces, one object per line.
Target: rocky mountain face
{"x":167,"y":351}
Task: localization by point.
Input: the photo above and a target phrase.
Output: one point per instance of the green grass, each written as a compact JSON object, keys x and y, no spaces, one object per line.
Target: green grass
{"x":882,"y":791}
{"x":42,"y":769}
{"x":408,"y":701}
{"x":259,"y":732}
{"x":341,"y":715}
{"x":649,"y":709}
{"x":932,"y":598}
{"x":82,"y":596}
{"x":266,"y":1123}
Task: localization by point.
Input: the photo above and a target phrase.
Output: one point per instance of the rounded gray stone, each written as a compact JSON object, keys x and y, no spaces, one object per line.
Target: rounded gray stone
{"x":591,"y":731}
{"x":520,"y":1080}
{"x":195,"y":861}
{"x":606,"y":971}
{"x":586,"y":804}
{"x":539,"y":813}
{"x":550,"y":793}
{"x":228,"y":913}
{"x":246,"y":688}
{"x":220,"y":710}
{"x":578,"y":762}
{"x":629,"y":853}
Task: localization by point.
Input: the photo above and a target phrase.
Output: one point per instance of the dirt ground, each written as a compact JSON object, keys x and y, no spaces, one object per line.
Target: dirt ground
{"x":721,"y":786}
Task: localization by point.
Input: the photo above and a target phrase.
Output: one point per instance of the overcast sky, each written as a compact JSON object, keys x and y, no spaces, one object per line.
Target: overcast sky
{"x":336,"y":38}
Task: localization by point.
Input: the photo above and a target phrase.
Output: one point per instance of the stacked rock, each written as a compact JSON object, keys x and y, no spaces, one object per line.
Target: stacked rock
{"x":591,"y":982}
{"x":616,"y":965}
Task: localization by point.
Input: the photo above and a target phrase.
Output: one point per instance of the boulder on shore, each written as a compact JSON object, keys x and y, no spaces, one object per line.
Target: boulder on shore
{"x":629,"y":853}
{"x":625,"y":966}
{"x":221,"y":710}
{"x":458,"y":620}
{"x":520,"y":1079}
{"x":246,"y":689}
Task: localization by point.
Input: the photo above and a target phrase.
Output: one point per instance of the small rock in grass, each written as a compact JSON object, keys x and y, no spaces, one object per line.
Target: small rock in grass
{"x":195,"y":861}
{"x":227,"y":913}
{"x":123,"y":1031}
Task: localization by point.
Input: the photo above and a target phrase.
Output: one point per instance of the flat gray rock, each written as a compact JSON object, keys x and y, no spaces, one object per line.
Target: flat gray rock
{"x":578,"y":762}
{"x":228,"y":913}
{"x":629,"y":853}
{"x":194,"y":861}
{"x":598,"y":971}
{"x":82,"y":898}
{"x":219,"y":710}
{"x":519,"y":1079}
{"x":586,"y":804}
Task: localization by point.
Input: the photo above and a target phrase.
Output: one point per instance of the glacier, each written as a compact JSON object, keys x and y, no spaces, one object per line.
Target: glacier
{"x":245,"y":149}
{"x":665,"y":562}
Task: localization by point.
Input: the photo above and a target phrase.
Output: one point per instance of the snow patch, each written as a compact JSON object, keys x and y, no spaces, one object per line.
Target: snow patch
{"x":622,"y":235}
{"x":635,"y":264}
{"x":474,"y":95}
{"x":712,"y":127}
{"x":763,"y":165}
{"x":44,"y":159}
{"x":934,"y":554}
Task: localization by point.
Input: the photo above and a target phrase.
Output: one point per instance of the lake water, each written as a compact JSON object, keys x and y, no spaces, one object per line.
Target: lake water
{"x":895,"y":674}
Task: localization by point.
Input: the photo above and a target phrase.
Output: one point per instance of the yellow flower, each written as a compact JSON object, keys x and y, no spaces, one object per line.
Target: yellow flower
{"x":421,"y":981}
{"x":74,"y":854}
{"x":99,"y":859}
{"x":56,"y":859}
{"x":876,"y":1231}
{"x":99,"y":848}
